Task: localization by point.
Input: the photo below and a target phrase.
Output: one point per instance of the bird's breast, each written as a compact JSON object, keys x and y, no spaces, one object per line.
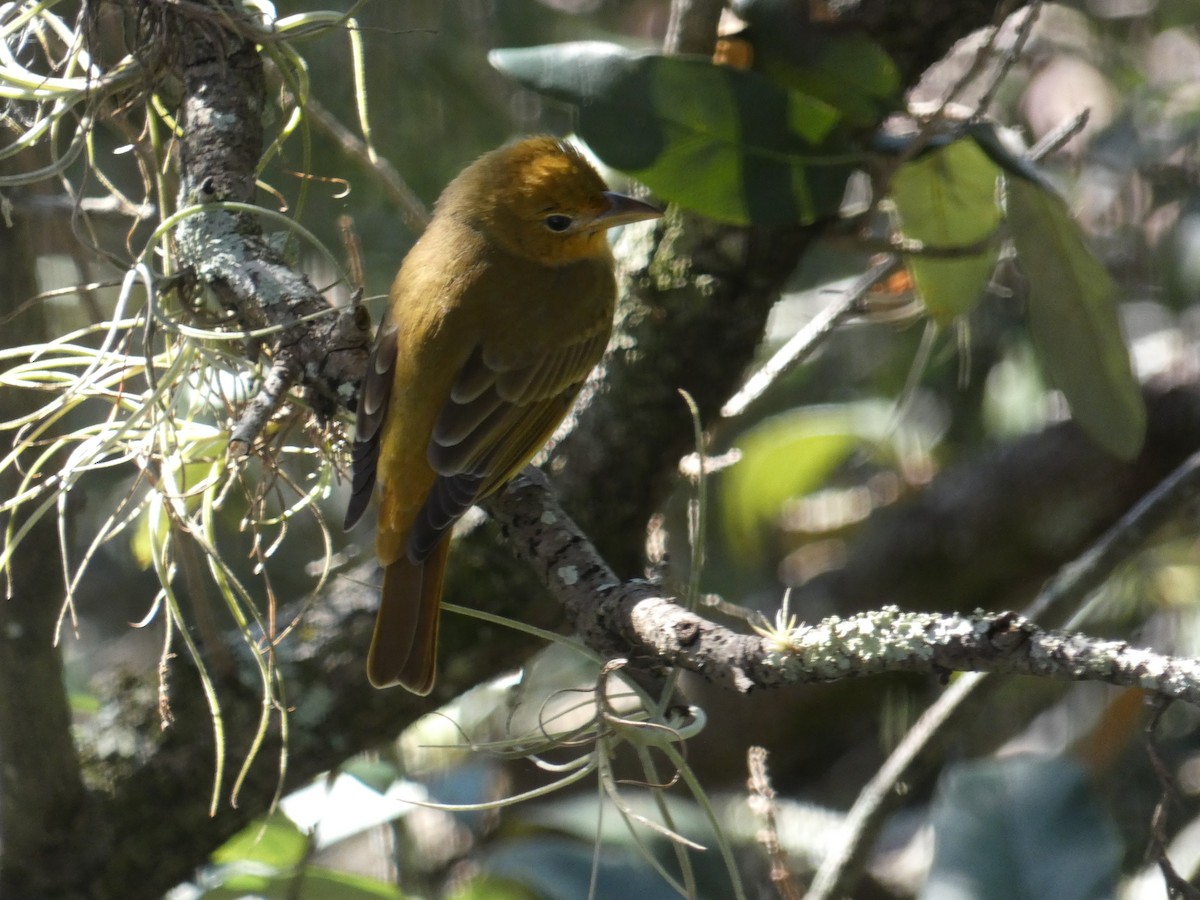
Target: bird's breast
{"x":529,"y":309}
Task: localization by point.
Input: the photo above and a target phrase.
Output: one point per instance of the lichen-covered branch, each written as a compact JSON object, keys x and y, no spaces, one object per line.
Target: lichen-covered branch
{"x":608,"y":613}
{"x":222,"y":119}
{"x":888,"y":640}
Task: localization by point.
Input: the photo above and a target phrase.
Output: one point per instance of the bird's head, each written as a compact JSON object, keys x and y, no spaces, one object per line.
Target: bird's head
{"x":541,"y":199}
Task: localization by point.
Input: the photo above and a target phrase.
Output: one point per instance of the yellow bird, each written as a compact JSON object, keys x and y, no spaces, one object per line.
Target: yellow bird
{"x":496,"y":317}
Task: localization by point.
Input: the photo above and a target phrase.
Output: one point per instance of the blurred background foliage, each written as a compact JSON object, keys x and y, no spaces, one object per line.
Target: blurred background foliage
{"x":836,"y":484}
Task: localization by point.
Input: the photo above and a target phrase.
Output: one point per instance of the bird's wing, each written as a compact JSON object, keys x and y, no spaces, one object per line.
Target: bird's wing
{"x":494,"y":420}
{"x":372,"y":409}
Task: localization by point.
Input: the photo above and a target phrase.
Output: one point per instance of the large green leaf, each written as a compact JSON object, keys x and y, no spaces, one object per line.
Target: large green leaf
{"x":1073,"y":320}
{"x":946,"y":199}
{"x":843,"y":67}
{"x":315,"y":883}
{"x":1021,"y":829}
{"x":788,"y":456}
{"x":730,"y":144}
{"x":274,"y":841}
{"x":848,"y":71}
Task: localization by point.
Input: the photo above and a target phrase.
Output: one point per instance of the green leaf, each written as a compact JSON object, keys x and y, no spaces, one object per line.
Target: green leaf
{"x":729,"y":144}
{"x":1021,"y":829}
{"x":275,"y":842}
{"x":487,"y":888}
{"x":788,"y":456}
{"x":848,"y":71}
{"x":1073,"y":320}
{"x":947,"y":199}
{"x":315,"y":883}
{"x":84,"y":703}
{"x":844,"y":68}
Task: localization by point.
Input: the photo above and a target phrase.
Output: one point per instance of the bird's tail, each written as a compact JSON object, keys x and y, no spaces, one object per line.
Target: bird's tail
{"x":404,"y":645}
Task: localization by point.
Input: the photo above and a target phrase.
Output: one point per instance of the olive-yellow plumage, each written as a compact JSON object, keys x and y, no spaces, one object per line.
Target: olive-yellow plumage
{"x":496,"y":317}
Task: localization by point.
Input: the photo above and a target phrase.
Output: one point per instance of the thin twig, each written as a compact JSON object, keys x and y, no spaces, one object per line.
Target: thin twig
{"x":1010,"y":56}
{"x":62,"y":204}
{"x":692,"y":26}
{"x":1076,"y":580}
{"x":1178,"y":887}
{"x":283,"y":373}
{"x":808,"y":338}
{"x":762,"y":804}
{"x":862,"y":824}
{"x":983,"y":56}
{"x":1057,"y":137}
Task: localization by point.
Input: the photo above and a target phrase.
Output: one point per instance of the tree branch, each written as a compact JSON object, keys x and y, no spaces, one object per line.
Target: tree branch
{"x":654,"y":629}
{"x":222,"y":113}
{"x":692,"y":27}
{"x":695,"y":300}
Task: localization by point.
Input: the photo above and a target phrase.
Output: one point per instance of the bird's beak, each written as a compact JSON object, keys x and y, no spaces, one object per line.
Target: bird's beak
{"x":622,"y":210}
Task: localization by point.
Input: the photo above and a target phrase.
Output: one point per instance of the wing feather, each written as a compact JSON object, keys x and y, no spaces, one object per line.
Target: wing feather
{"x":513,"y":384}
{"x":522,"y":443}
{"x":457,"y":421}
{"x":449,"y":499}
{"x":372,"y":410}
{"x":494,"y":420}
{"x":475,"y":378}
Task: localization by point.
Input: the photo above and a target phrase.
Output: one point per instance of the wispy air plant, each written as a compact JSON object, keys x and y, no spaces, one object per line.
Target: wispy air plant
{"x":148,"y":393}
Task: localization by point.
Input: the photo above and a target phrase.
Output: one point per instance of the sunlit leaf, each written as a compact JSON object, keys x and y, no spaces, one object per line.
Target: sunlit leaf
{"x":946,"y":199}
{"x":789,"y":456}
{"x":727,"y":143}
{"x":314,"y":883}
{"x":146,"y":539}
{"x":275,"y":842}
{"x":84,"y":704}
{"x":488,"y":888}
{"x":1073,"y":320}
{"x":1021,"y":829}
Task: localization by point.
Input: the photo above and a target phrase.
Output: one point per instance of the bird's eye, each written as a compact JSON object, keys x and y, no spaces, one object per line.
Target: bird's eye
{"x":558,"y":222}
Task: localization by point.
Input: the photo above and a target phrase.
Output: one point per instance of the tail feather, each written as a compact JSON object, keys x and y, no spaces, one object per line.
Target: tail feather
{"x":404,"y":645}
